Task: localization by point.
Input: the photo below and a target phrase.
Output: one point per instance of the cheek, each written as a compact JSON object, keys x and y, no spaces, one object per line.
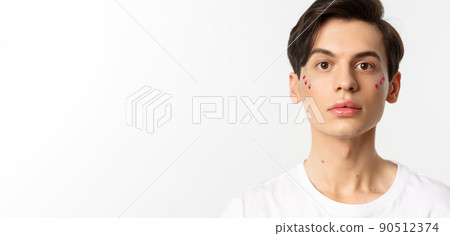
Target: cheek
{"x":374,"y":112}
{"x":380,"y":87}
{"x":375,"y":98}
{"x":306,"y":81}
{"x":379,"y":82}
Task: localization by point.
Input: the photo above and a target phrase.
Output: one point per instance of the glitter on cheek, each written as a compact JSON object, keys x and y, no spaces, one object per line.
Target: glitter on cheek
{"x":380,"y":81}
{"x":306,"y":81}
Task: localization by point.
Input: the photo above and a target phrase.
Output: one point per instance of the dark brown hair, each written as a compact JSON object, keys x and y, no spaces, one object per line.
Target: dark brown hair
{"x":304,"y":33}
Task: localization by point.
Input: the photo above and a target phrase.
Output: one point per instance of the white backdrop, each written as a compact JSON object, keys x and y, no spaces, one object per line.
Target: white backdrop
{"x":67,"y":68}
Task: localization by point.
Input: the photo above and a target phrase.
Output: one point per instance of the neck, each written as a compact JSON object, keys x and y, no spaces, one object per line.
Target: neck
{"x":343,"y":165}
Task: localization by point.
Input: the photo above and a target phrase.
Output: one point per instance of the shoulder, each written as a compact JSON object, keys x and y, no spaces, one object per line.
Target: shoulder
{"x":267,"y":190}
{"x":428,"y":185}
{"x":429,"y":192}
{"x":258,"y":199}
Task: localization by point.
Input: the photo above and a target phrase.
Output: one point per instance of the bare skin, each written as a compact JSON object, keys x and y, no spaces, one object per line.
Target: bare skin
{"x":343,"y":163}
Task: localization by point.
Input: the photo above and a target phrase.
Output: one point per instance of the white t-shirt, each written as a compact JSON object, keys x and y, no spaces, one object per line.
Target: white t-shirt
{"x":293,"y":195}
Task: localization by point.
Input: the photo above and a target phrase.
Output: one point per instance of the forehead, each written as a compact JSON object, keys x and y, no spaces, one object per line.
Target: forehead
{"x":349,"y":37}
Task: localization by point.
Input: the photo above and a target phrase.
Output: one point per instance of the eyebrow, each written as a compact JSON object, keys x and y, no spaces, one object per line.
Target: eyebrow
{"x":358,"y":55}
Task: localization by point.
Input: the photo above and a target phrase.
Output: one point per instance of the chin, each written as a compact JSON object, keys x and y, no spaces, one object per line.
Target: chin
{"x":343,"y":130}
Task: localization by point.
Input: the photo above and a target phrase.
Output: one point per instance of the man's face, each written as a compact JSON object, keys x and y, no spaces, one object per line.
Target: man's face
{"x":347,"y":63}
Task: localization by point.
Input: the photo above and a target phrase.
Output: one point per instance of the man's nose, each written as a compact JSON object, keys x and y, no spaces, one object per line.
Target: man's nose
{"x":346,"y":80}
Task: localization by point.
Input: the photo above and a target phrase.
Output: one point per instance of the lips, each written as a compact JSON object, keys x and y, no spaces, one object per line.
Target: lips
{"x":345,"y":108}
{"x":345,"y":104}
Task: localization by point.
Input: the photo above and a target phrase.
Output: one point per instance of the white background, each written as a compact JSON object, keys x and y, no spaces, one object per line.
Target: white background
{"x":66,"y":68}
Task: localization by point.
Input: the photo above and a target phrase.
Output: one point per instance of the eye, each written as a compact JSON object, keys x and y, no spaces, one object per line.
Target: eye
{"x":365,"y":66}
{"x":323,"y":65}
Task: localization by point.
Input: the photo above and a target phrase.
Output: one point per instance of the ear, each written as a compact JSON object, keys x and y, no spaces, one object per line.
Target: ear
{"x":294,"y":89}
{"x":394,"y":88}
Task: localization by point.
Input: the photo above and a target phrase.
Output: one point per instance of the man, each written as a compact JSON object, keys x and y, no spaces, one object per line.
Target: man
{"x":345,"y":57}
